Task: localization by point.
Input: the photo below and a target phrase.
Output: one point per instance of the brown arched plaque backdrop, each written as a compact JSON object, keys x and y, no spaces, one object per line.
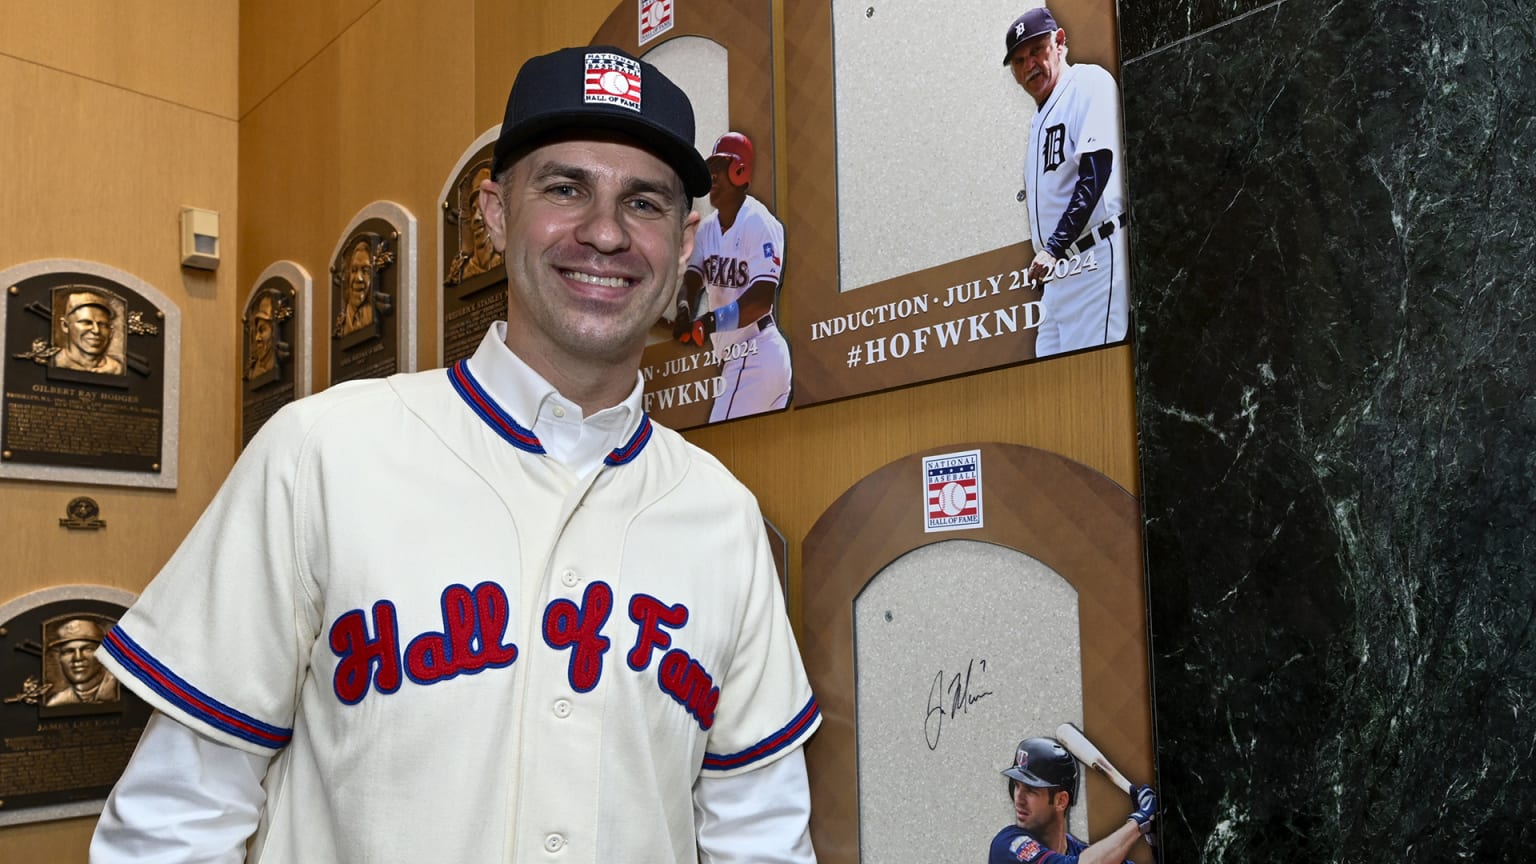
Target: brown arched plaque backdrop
{"x":682,"y":383}
{"x":1069,"y":517}
{"x":745,"y":29}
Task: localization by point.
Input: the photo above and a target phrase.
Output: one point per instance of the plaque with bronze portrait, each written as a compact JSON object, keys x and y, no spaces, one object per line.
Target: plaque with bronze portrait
{"x":67,"y":726}
{"x":474,"y":283}
{"x":273,"y":372}
{"x":86,"y":368}
{"x":372,"y":296}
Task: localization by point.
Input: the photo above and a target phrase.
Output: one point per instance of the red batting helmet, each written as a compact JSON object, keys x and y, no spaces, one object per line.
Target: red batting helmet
{"x":737,"y":149}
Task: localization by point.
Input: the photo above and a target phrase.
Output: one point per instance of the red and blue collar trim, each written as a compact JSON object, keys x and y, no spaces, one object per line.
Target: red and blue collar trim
{"x":183,"y":695}
{"x":632,"y":448}
{"x":786,"y":737}
{"x":523,"y":438}
{"x":481,"y":403}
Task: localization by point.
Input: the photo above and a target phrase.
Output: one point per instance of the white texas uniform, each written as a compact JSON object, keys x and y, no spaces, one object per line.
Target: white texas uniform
{"x":756,"y":364}
{"x":517,"y":667}
{"x":1086,"y":300}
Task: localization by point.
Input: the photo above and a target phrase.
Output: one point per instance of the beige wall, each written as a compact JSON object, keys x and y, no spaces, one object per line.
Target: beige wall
{"x":114,"y":114}
{"x":330,"y":105}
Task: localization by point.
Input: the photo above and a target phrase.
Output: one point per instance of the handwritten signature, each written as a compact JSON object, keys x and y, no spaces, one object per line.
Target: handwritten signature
{"x":957,"y":693}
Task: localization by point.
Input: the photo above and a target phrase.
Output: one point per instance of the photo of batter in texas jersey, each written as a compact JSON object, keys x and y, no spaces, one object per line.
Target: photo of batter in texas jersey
{"x":738,"y":255}
{"x":1075,"y":188}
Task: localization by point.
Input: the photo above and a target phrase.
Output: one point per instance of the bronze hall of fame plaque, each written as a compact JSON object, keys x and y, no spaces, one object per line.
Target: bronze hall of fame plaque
{"x":89,"y":358}
{"x":720,"y":352}
{"x":373,"y":288}
{"x":274,"y":369}
{"x":473,"y":280}
{"x":67,"y":727}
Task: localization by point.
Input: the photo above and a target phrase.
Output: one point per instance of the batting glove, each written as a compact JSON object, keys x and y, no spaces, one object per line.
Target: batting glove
{"x":682,"y":324}
{"x":702,"y":328}
{"x":1146,"y":807}
{"x":1043,"y":265}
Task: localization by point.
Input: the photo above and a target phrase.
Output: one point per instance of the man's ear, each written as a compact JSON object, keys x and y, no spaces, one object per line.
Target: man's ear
{"x":690,"y":233}
{"x":493,"y":213}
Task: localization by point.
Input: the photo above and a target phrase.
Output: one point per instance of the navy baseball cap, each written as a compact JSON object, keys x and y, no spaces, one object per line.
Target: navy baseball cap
{"x":1035,"y":22}
{"x":602,"y":87}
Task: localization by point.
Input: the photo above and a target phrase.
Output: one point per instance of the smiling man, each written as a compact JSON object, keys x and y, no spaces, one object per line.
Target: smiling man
{"x":357,"y":309}
{"x":74,"y":643}
{"x":1074,"y":184}
{"x":441,"y":617}
{"x":86,"y":335}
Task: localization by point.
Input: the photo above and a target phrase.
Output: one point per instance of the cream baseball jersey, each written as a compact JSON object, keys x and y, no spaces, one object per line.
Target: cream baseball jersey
{"x":752,"y":249}
{"x":458,"y":650}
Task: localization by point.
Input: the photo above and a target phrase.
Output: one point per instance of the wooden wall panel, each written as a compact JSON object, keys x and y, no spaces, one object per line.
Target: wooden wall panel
{"x":507,"y":34}
{"x":123,"y":214}
{"x":382,"y":112}
{"x":799,"y":462}
{"x":181,"y":51}
{"x":97,"y":171}
{"x":277,"y":37}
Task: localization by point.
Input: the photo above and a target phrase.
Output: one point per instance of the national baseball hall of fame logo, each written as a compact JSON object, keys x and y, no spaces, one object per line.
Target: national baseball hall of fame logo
{"x":612,"y":80}
{"x":952,"y":485}
{"x":655,"y":19}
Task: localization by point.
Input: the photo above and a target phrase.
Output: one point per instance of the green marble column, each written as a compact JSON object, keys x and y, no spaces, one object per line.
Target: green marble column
{"x":1335,"y":323}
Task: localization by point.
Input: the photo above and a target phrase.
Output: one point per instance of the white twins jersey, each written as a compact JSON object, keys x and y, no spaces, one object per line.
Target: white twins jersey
{"x":752,"y":249}
{"x":1087,"y":302}
{"x":458,"y":650}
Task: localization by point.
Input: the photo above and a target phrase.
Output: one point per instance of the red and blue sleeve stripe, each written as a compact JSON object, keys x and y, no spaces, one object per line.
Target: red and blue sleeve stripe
{"x":791,"y":733}
{"x":482,"y":404}
{"x":631,"y":448}
{"x":196,"y":703}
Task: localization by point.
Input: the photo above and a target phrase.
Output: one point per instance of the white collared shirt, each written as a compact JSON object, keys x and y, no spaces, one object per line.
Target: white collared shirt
{"x":578,"y":442}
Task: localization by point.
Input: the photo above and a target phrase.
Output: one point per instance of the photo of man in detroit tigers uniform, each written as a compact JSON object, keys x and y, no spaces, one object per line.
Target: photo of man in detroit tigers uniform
{"x":736,"y":262}
{"x":441,"y":616}
{"x":1043,"y":787}
{"x":1074,"y":183}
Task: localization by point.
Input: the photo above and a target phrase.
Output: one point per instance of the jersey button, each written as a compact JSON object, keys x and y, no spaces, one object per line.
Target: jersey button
{"x":554,"y":843}
{"x":562,"y":708}
{"x":569,"y":579}
{"x":558,"y":411}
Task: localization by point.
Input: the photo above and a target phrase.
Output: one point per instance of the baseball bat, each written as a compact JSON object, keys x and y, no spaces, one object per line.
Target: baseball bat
{"x":1078,"y":745}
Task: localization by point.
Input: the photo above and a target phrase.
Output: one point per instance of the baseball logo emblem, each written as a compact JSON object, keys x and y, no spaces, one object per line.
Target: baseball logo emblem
{"x":615,"y":83}
{"x":952,"y":487}
{"x":612,"y":80}
{"x":952,"y":499}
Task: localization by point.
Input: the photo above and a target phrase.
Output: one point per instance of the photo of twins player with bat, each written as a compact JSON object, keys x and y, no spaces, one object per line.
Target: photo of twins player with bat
{"x":1043,"y":785}
{"x":1074,"y":184}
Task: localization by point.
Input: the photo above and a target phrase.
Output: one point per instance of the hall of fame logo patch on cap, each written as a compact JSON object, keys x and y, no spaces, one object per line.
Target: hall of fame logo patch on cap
{"x":952,"y":486}
{"x":655,"y":19}
{"x":613,"y":80}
